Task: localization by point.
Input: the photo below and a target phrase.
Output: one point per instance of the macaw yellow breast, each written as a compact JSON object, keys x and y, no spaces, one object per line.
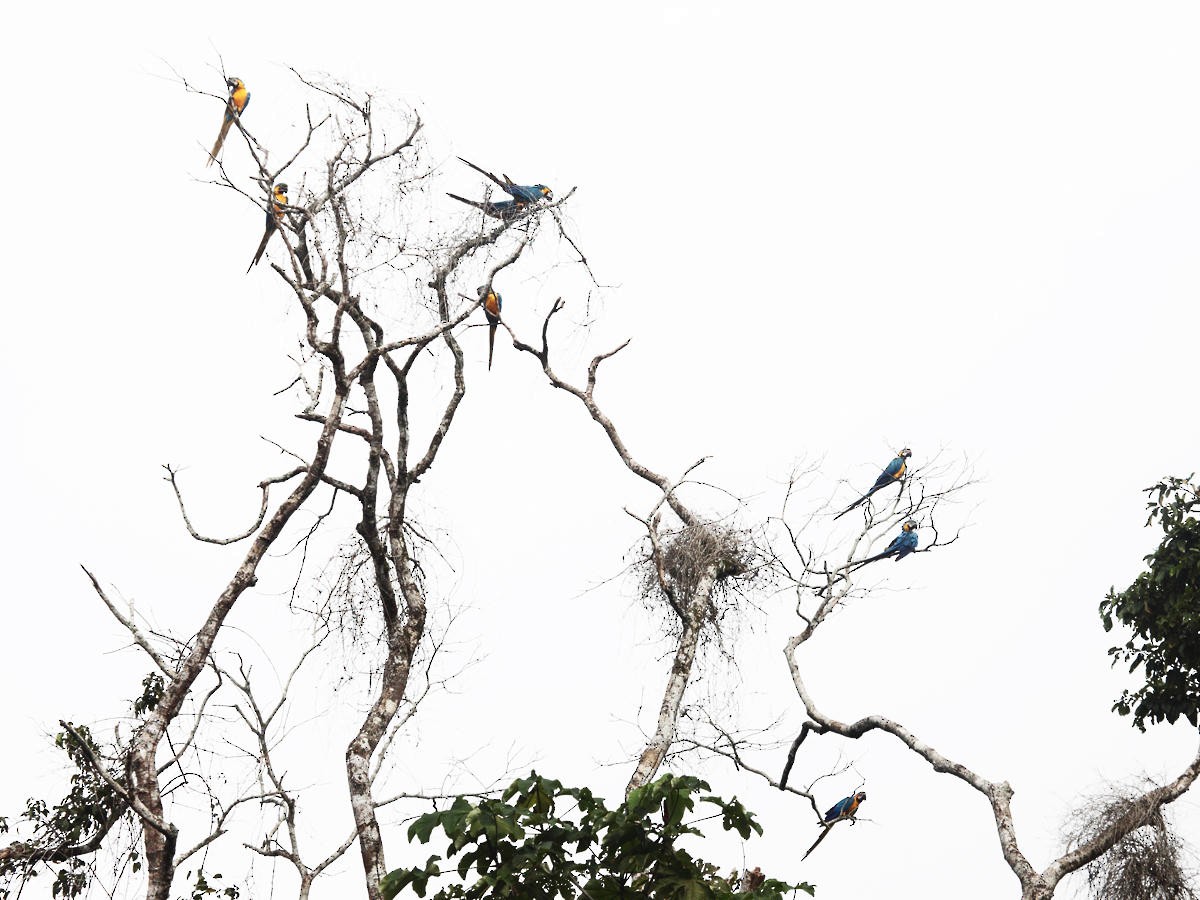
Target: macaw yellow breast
{"x":239,"y":97}
{"x":491,"y":305}
{"x":903,"y":466}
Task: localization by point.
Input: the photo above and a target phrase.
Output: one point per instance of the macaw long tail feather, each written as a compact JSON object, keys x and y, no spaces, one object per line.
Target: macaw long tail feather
{"x":855,"y":505}
{"x":869,"y":559}
{"x":474,"y":203}
{"x":225,"y":126}
{"x":824,"y":831}
{"x":261,"y":247}
{"x":485,"y":172}
{"x":491,"y":344}
{"x":859,"y":502}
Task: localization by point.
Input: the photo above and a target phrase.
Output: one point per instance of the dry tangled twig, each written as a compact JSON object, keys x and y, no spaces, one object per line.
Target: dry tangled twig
{"x":1148,"y":863}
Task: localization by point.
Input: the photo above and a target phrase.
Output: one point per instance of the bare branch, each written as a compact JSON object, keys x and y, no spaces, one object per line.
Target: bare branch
{"x":264,"y":486}
{"x":127,"y":621}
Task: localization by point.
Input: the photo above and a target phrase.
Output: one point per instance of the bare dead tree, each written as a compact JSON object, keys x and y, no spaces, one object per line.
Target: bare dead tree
{"x":338,"y":248}
{"x":327,"y":243}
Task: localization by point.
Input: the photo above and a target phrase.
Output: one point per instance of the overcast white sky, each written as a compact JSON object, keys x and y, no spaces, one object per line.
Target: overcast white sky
{"x":836,"y":229}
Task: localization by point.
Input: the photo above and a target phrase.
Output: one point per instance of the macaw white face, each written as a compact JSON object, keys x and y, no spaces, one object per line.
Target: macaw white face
{"x":910,"y":525}
{"x":905,"y":453}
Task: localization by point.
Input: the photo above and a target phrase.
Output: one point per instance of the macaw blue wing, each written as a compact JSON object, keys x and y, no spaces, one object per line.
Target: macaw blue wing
{"x":530,"y":193}
{"x":839,"y":809}
{"x":905,"y":544}
{"x":894,"y":470}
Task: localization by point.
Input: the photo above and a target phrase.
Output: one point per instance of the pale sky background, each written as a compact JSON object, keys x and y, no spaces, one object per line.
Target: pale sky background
{"x":835,"y":230}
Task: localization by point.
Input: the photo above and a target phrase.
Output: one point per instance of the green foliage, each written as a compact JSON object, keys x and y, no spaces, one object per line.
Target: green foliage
{"x":521,"y":846}
{"x":152,"y":691}
{"x":203,"y":888}
{"x":1162,"y":607}
{"x":90,"y":806}
{"x":70,"y":880}
{"x":60,"y":835}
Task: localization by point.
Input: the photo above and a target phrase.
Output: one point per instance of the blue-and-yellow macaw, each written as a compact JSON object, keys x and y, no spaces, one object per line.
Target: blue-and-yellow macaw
{"x":524,"y":196}
{"x":893,"y":474}
{"x":902,"y":544}
{"x":525,"y":193}
{"x":239,"y":99}
{"x":843,"y":809}
{"x":491,"y":308}
{"x":279,"y":200}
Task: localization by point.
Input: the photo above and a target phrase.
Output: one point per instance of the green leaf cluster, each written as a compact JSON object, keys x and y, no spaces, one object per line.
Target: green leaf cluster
{"x":62,"y":833}
{"x":152,"y":691}
{"x":88,"y":807}
{"x":540,"y":840}
{"x":1162,"y":607}
{"x":206,"y":886}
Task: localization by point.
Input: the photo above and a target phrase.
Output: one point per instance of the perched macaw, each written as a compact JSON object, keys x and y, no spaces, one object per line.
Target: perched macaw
{"x":239,"y":99}
{"x":902,"y":544}
{"x":279,"y":200}
{"x":893,"y":474}
{"x":506,"y":210}
{"x":526,"y":193}
{"x":845,"y":808}
{"x":491,"y":308}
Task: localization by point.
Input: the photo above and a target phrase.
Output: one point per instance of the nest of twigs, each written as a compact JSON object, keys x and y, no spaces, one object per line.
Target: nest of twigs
{"x":693,"y":552}
{"x":678,"y":564}
{"x":1147,"y":864}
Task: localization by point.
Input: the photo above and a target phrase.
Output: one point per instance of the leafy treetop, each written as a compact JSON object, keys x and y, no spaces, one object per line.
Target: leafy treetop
{"x":1162,"y":606}
{"x":521,"y":846}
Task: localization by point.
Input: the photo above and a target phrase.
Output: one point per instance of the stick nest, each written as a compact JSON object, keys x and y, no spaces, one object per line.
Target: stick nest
{"x":1146,"y":864}
{"x":678,"y":564}
{"x":696,"y":550}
